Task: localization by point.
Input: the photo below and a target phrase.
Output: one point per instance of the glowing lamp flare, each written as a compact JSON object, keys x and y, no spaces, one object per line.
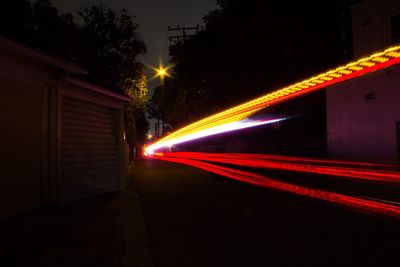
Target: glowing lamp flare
{"x":161,"y":71}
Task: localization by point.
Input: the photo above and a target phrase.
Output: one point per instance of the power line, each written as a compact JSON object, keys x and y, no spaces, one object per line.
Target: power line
{"x":181,"y":34}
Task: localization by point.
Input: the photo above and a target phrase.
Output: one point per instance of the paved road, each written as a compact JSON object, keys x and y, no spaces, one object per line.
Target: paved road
{"x":195,"y":218}
{"x":102,"y":231}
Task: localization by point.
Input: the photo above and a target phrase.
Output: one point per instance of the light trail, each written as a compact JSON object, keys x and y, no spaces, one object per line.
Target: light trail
{"x":366,"y":206}
{"x":228,"y":127}
{"x":296,"y":159}
{"x":352,"y":70}
{"x":386,"y":201}
{"x":251,"y":160}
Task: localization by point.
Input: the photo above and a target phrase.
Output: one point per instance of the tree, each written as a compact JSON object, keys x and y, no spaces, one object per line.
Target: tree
{"x":136,"y":125}
{"x":251,"y":47}
{"x":170,"y":103}
{"x":109,"y":49}
{"x":15,"y":19}
{"x":106,"y":43}
{"x":110,"y":46}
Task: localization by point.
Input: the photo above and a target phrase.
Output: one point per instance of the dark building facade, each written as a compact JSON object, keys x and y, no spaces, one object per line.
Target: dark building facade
{"x":61,"y":138}
{"x":363,"y":115}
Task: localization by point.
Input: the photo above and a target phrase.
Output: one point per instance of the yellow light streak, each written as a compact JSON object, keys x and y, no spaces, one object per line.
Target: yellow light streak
{"x":354,"y":69}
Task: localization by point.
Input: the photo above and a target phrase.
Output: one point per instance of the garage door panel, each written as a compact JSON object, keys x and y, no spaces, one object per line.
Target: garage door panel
{"x":72,"y":140}
{"x":87,"y":118}
{"x":89,"y":150}
{"x":78,"y":149}
{"x":92,"y":174}
{"x":88,"y":167}
{"x":84,"y":129}
{"x":88,"y":135}
{"x":72,"y":105}
{"x":93,"y":123}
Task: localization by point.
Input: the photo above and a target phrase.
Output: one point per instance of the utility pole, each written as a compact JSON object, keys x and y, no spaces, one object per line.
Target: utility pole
{"x":181,"y":34}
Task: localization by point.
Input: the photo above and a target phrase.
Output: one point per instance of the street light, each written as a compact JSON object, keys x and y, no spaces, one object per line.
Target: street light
{"x":162,"y":72}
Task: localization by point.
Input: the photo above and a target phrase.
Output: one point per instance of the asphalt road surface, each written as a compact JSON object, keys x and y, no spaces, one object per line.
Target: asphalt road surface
{"x":195,"y":218}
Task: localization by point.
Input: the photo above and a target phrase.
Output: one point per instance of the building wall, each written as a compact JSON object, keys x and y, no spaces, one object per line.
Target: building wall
{"x":32,"y":86}
{"x":21,"y":157}
{"x":372,"y":25}
{"x":362,"y":113}
{"x":362,"y":116}
{"x":24,"y":118}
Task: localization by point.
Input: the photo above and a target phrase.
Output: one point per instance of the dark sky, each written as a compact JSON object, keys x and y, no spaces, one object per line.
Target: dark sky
{"x":153,"y":17}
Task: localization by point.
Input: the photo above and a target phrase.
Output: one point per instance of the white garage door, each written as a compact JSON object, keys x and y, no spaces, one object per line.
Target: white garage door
{"x":89,"y":150}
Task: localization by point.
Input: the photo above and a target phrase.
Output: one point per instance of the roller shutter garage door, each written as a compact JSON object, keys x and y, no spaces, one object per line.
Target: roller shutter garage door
{"x":89,"y":150}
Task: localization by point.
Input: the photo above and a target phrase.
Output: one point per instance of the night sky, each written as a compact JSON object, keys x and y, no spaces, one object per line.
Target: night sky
{"x":153,"y":17}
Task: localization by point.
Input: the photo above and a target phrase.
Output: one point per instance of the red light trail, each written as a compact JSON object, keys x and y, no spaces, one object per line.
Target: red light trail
{"x":366,"y":206}
{"x":238,"y":118}
{"x":316,"y":161}
{"x":264,"y":161}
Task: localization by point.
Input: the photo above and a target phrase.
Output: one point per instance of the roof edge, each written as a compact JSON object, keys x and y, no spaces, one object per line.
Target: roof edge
{"x":97,"y":89}
{"x":41,"y":56}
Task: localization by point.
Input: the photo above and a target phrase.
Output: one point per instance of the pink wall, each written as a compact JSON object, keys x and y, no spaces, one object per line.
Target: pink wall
{"x":360,"y":129}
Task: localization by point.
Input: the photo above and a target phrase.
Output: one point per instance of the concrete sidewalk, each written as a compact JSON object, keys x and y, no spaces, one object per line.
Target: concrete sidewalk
{"x":103,"y":231}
